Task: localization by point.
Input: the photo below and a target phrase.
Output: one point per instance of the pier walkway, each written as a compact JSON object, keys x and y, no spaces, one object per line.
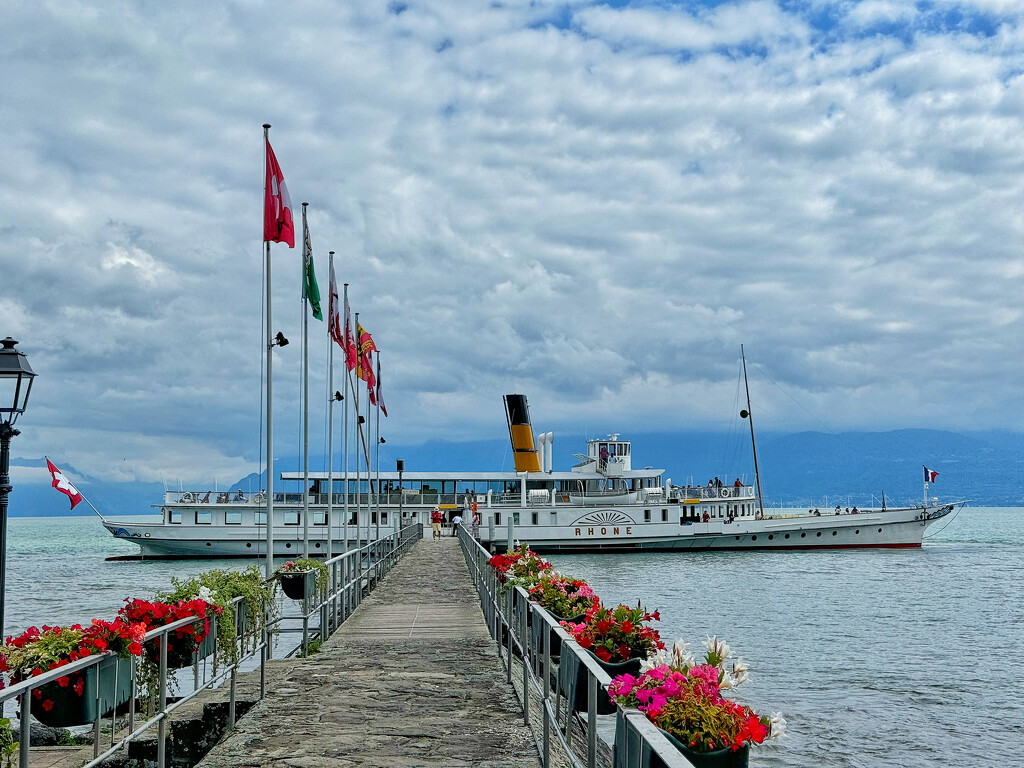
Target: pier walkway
{"x":412,"y":678}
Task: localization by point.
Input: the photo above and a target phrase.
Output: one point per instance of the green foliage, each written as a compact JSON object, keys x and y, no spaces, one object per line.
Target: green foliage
{"x":8,"y":746}
{"x":313,"y":646}
{"x":221,"y":587}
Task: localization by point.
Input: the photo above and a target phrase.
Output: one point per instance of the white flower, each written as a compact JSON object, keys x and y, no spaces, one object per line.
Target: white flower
{"x":681,"y":656}
{"x":740,"y":671}
{"x":777,"y":726}
{"x":656,"y":659}
{"x":718,"y":649}
{"x":206,"y":594}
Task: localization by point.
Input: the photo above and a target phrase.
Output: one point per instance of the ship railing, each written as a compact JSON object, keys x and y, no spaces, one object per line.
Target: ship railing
{"x":350,"y":576}
{"x":713,"y":493}
{"x":107,"y":668}
{"x":524,"y":632}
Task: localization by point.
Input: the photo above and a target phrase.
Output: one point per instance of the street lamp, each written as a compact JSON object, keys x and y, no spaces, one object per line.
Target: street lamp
{"x":16,"y":377}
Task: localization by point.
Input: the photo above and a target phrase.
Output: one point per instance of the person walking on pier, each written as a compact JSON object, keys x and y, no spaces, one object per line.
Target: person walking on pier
{"x":436,"y":518}
{"x":456,"y":522}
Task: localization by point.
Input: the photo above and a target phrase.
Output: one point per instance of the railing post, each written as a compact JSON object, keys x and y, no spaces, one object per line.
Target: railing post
{"x":508,"y":631}
{"x":524,"y":644}
{"x":263,"y":661}
{"x":546,"y":667}
{"x":161,"y":736}
{"x":591,"y":720}
{"x":24,"y":732}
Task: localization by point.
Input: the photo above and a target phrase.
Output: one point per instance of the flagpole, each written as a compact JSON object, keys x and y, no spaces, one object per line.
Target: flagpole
{"x":305,"y":391}
{"x":270,"y":390}
{"x":348,"y":392}
{"x":359,"y":429}
{"x":330,"y":418}
{"x":377,"y":530}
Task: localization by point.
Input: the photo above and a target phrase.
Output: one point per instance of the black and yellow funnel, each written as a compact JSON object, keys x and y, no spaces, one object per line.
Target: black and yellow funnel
{"x":521,"y":432}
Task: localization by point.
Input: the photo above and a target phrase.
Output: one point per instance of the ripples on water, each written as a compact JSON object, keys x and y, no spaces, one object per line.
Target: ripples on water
{"x":894,"y":658}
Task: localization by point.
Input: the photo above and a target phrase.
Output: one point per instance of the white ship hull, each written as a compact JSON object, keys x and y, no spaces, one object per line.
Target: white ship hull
{"x":560,"y":529}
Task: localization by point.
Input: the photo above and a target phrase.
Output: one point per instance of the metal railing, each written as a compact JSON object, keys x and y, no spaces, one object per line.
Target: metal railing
{"x":347,"y":576}
{"x":510,"y":617}
{"x":24,"y":689}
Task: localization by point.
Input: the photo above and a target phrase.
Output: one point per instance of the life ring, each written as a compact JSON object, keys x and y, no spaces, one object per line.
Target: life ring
{"x":187,"y":498}
{"x":725,"y":492}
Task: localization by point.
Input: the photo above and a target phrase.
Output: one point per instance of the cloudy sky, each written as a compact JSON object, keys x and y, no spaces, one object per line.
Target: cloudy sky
{"x":591,"y":203}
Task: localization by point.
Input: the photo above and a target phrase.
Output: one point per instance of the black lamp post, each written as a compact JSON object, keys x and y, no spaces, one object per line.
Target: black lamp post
{"x":15,"y":384}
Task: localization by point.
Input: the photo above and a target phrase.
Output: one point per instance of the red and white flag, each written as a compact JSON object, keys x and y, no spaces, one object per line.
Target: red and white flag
{"x":334,"y":313}
{"x":278,"y":226}
{"x":380,"y":395}
{"x":350,"y":337}
{"x":63,"y":485}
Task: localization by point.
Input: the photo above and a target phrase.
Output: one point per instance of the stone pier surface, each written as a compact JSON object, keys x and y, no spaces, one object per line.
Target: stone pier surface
{"x":412,"y":678}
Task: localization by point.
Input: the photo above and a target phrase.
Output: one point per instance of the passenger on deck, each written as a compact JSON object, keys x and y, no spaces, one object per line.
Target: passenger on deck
{"x":737,"y":484}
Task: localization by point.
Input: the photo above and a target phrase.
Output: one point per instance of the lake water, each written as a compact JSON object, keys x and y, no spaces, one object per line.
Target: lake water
{"x":907,"y":658}
{"x":900,"y":658}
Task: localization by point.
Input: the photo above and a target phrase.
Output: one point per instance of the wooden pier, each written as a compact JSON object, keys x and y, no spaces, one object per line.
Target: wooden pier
{"x":412,"y":678}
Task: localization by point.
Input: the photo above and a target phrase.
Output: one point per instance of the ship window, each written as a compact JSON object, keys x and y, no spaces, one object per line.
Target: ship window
{"x":771,"y":536}
{"x":664,"y":515}
{"x":857,"y":531}
{"x":803,"y":535}
{"x":175,"y":517}
{"x":819,"y":533}
{"x":787,"y":535}
{"x":261,"y":518}
{"x":204,"y":518}
{"x":647,"y":515}
{"x":497,"y":518}
{"x":291,"y":517}
{"x":534,"y":518}
{"x":319,"y":518}
{"x":383,"y":518}
{"x":834,"y":533}
{"x":232,"y":518}
{"x":754,"y":537}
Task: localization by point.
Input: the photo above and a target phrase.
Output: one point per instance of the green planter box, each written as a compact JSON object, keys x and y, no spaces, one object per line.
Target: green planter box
{"x":71,"y":709}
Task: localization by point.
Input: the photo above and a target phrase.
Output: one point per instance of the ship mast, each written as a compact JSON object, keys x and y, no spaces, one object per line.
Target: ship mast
{"x":746,"y":414}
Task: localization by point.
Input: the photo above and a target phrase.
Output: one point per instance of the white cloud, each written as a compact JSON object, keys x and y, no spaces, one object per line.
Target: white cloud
{"x":579,"y":213}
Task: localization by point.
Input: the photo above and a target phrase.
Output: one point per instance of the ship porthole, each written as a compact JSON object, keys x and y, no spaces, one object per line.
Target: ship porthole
{"x":318,"y":545}
{"x":770,"y":537}
{"x":879,"y":530}
{"x":289,"y":546}
{"x":207,"y":543}
{"x":835,"y":533}
{"x":819,"y":533}
{"x":248,"y":544}
{"x":857,"y":531}
{"x":787,"y":535}
{"x":147,"y":535}
{"x":737,"y":538}
{"x":753,"y":538}
{"x":803,"y":535}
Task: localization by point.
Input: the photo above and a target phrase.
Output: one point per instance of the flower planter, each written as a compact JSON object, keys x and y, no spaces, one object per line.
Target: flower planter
{"x":298,"y":585}
{"x":181,"y":651}
{"x":556,"y":641}
{"x":70,"y":709}
{"x":718,"y":758}
{"x":574,"y":681}
{"x":628,"y":752}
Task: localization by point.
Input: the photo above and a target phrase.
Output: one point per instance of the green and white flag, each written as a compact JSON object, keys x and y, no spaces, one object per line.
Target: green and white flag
{"x":310,"y":290}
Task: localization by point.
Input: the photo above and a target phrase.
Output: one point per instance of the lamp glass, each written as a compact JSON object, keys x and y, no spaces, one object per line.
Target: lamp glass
{"x":15,"y":387}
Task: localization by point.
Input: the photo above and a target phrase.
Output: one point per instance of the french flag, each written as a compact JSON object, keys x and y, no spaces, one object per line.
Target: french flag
{"x":929,"y":475}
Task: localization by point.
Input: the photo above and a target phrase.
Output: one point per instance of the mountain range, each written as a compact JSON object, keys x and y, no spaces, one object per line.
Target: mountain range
{"x":806,"y":469}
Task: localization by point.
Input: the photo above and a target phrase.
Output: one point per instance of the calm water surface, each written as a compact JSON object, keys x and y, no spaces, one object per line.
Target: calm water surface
{"x":906,"y":658}
{"x":876,"y":657}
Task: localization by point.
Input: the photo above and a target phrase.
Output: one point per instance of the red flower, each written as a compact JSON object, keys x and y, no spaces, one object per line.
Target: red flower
{"x":47,"y":705}
{"x":63,"y":681}
{"x":602,"y":653}
{"x":79,"y":685}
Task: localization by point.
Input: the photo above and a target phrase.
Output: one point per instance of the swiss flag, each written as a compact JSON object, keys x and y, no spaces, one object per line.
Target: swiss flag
{"x":278,"y":226}
{"x":63,"y":485}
